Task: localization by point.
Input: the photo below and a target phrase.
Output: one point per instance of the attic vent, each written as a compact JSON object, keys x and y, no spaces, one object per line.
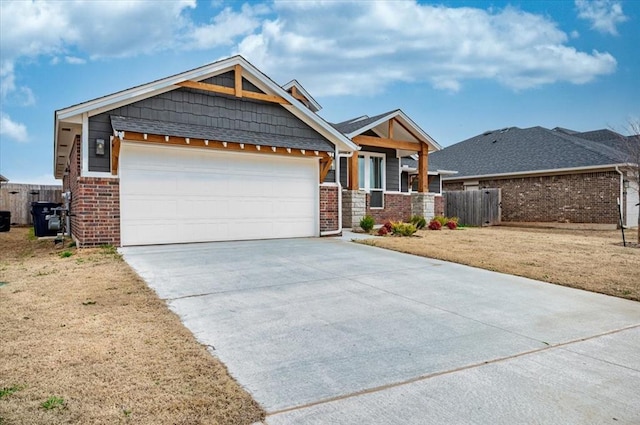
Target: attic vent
{"x":504,"y":130}
{"x":495,"y":141}
{"x":486,"y":133}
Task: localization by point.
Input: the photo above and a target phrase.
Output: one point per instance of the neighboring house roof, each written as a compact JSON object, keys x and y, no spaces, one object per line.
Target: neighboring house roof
{"x":220,"y":134}
{"x":3,"y":178}
{"x":516,"y":151}
{"x":314,"y":106}
{"x":73,"y":115}
{"x":602,"y":135}
{"x":357,"y":126}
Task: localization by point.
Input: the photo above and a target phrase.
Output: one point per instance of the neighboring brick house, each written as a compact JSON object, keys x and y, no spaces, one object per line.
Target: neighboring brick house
{"x":219,"y":152}
{"x":546,"y":175}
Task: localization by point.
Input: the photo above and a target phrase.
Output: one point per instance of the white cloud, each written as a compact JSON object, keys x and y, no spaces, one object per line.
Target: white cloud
{"x":12,"y":129}
{"x":73,"y":31}
{"x":604,"y":15}
{"x":338,"y":48}
{"x":333,"y":47}
{"x":225,"y":27}
{"x":73,"y":60}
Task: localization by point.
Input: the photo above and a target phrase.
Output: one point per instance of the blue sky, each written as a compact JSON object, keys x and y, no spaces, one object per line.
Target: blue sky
{"x":457,"y":68}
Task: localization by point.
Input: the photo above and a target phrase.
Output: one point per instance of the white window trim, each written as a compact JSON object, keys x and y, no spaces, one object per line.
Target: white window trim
{"x":366,"y":186}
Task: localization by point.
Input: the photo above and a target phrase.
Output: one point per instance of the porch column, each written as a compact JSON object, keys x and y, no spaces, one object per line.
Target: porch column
{"x":423,"y":168}
{"x":353,"y":183}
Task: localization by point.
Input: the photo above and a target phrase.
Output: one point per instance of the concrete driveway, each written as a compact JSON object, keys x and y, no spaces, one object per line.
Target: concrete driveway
{"x":325,"y":331}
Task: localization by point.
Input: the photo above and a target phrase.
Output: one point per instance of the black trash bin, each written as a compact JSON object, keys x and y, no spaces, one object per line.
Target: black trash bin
{"x":39,"y":211}
{"x":5,"y":221}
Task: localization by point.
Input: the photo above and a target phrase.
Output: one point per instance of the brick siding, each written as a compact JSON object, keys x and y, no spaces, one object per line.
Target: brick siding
{"x":396,"y":207}
{"x":572,"y":198}
{"x":98,"y":211}
{"x":329,"y":208}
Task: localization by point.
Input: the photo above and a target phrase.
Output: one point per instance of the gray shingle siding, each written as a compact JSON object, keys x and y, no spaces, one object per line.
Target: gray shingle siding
{"x":344,"y":171}
{"x":188,"y":106}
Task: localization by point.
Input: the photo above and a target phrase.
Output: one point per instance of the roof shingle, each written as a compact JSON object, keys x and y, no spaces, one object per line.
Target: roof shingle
{"x":220,"y":134}
{"x":516,"y":150}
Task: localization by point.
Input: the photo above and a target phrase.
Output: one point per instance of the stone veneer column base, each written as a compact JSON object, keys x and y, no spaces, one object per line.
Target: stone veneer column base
{"x":423,"y":204}
{"x":354,"y":207}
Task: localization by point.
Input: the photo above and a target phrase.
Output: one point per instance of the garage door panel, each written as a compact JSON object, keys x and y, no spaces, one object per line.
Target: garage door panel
{"x":173,"y":195}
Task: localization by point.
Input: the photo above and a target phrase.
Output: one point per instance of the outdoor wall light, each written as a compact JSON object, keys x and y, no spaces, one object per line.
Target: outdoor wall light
{"x":100,"y":147}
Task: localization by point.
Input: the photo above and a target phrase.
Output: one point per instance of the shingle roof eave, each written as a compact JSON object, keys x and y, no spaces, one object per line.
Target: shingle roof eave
{"x":163,"y":128}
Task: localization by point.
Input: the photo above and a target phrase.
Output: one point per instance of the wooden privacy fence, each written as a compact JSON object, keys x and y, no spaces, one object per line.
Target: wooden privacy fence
{"x":17,"y":198}
{"x":473,"y":207}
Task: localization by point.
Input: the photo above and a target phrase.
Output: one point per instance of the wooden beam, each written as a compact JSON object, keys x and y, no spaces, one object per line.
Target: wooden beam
{"x":325,"y":166}
{"x":423,"y":169}
{"x":214,"y":88}
{"x":353,"y":183}
{"x":381,"y":142}
{"x":115,"y":154}
{"x":215,"y":144}
{"x":238,"y":82}
{"x":390,"y":132}
{"x":296,"y":94}
{"x":207,"y":87}
{"x":265,"y":97}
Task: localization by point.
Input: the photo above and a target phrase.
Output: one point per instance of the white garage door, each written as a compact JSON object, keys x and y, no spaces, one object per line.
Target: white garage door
{"x":175,"y":195}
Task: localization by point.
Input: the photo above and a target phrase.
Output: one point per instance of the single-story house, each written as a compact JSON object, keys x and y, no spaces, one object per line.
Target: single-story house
{"x":557,"y":175}
{"x":222,"y":152}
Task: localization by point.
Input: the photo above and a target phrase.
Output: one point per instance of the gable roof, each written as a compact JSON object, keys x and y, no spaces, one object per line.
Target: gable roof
{"x":3,"y":178}
{"x":72,"y":116}
{"x":516,"y":151}
{"x":313,"y":105}
{"x":359,"y":125}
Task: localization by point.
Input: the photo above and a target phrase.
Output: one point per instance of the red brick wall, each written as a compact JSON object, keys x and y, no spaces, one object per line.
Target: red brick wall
{"x":396,"y":207}
{"x":329,"y":208}
{"x":439,"y":205}
{"x":573,"y":198}
{"x":97,"y":211}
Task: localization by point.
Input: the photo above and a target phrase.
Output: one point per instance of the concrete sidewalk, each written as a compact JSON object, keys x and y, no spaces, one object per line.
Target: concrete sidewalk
{"x":324,"y":331}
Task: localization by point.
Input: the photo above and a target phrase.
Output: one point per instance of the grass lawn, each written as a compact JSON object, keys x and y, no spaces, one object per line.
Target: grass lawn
{"x":84,"y":341}
{"x":591,"y":260}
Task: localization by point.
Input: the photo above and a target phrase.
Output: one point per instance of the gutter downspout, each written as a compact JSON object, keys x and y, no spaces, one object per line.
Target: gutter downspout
{"x":339,"y":230}
{"x":624,"y":224}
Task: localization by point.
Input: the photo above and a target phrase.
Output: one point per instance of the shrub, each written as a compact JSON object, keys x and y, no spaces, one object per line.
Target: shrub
{"x":383,"y":231}
{"x":403,"y":229}
{"x":435,"y":225}
{"x":418,"y":221}
{"x":441,"y":219}
{"x":367,"y":222}
{"x":452,"y":225}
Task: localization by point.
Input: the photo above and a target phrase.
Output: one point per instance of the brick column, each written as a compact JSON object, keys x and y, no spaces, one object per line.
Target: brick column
{"x":423,"y":204}
{"x":354,"y":207}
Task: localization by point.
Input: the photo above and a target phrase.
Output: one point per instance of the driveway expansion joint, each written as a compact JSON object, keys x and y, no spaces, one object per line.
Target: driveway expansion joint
{"x":455,"y":370}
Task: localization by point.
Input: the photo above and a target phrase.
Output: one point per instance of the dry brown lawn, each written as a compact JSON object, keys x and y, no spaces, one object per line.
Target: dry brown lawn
{"x":591,"y":260}
{"x":87,"y":330}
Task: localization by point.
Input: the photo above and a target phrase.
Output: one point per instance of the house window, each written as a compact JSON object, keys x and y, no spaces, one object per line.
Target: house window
{"x":371,"y":177}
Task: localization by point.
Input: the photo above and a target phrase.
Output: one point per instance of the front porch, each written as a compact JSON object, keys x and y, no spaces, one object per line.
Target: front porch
{"x":374,"y":180}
